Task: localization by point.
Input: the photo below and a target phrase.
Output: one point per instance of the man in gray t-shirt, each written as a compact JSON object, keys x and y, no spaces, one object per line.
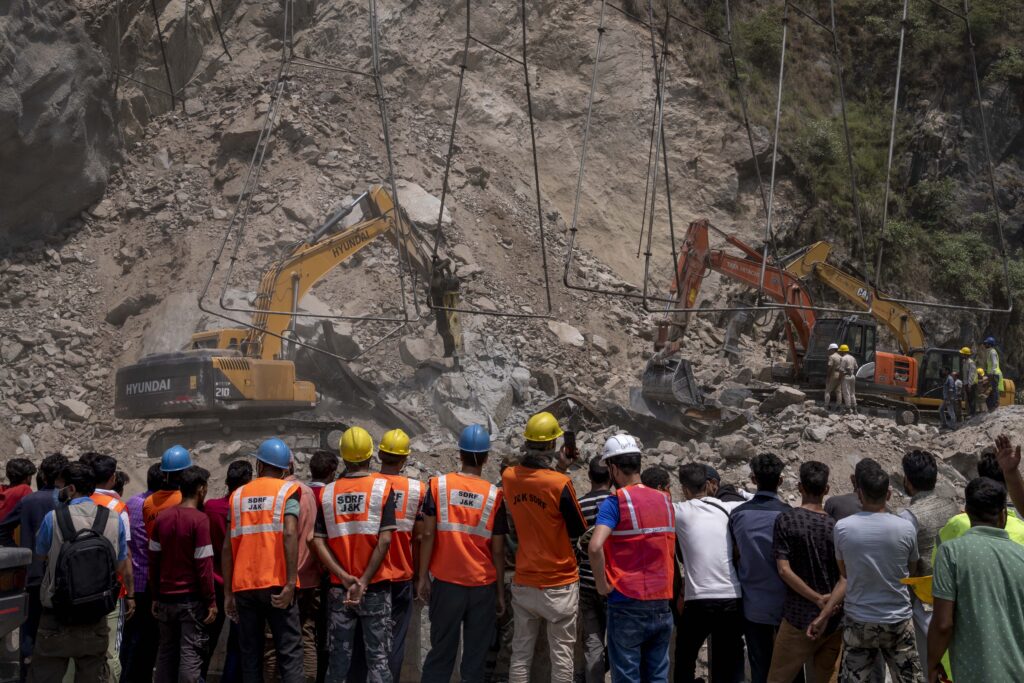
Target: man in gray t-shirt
{"x":874,"y":550}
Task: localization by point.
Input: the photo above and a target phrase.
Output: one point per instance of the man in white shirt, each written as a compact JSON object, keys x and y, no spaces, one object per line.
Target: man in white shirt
{"x":711,"y":593}
{"x":874,"y":550}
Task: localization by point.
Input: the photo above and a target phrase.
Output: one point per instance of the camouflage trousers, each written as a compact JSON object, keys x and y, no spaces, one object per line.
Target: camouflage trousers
{"x":864,"y":643}
{"x":374,"y":615}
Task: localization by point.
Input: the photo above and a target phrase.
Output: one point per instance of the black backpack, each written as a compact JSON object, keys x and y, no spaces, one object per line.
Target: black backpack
{"x":85,"y":585}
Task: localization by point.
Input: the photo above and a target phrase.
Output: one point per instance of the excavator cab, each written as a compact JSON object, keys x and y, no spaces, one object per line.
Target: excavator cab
{"x":857,"y":333}
{"x":882,"y":372}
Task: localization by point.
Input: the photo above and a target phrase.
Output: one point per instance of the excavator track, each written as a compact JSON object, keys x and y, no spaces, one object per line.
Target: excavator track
{"x":324,"y":433}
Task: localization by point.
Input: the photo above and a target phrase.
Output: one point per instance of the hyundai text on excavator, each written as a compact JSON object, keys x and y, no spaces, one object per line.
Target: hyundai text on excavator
{"x":241,"y":380}
{"x":891,"y":384}
{"x":812,"y":261}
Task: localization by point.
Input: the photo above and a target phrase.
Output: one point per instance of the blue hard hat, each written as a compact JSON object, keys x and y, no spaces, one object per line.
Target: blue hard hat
{"x":275,"y":452}
{"x":475,"y":439}
{"x":990,"y":341}
{"x":175,"y":459}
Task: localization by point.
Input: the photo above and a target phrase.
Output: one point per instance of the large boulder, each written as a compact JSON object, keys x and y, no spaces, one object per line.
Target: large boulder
{"x":780,"y":398}
{"x":57,"y":130}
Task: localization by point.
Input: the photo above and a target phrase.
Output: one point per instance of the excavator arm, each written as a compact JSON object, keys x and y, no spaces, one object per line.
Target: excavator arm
{"x":812,"y":262}
{"x":781,"y":286}
{"x":289,"y":278}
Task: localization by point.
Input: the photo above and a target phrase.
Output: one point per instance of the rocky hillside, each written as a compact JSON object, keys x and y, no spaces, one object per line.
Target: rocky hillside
{"x":143,"y":196}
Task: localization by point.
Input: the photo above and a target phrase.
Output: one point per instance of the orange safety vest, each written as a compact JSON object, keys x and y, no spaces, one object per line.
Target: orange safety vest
{"x":117,"y":506}
{"x":465,"y":523}
{"x":257,"y":534}
{"x":353,"y":508}
{"x":397,"y":566}
{"x":641,"y":550}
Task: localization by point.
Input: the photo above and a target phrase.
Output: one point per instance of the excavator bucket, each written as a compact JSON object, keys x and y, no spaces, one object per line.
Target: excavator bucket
{"x":670,"y":380}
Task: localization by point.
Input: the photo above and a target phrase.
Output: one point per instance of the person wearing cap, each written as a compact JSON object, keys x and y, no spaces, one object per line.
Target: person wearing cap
{"x":463,"y":550}
{"x":260,"y":565}
{"x":545,"y":590}
{"x":354,"y":527}
{"x":982,"y":391}
{"x":175,"y":460}
{"x":400,"y":562}
{"x":848,"y":380}
{"x":993,"y":372}
{"x":593,"y":615}
{"x":832,"y":375}
{"x":969,"y":373}
{"x":632,"y":551}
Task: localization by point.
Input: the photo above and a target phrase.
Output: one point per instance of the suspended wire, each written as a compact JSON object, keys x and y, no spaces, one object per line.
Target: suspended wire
{"x":990,"y":166}
{"x":239,"y":220}
{"x":523,"y":61}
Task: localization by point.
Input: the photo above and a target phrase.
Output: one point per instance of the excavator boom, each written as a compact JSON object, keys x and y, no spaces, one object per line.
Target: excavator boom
{"x":289,"y":278}
{"x":697,"y":258}
{"x":897,"y":318}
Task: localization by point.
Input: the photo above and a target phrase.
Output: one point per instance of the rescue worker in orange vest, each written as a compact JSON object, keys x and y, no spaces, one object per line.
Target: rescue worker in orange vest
{"x":399,"y":566}
{"x":632,"y":552}
{"x":353,"y":534}
{"x":260,"y":564}
{"x":105,"y":468}
{"x":547,"y":516}
{"x":463,"y":549}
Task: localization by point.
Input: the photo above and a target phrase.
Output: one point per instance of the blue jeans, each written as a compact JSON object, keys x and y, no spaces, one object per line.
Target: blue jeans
{"x":639,"y":632}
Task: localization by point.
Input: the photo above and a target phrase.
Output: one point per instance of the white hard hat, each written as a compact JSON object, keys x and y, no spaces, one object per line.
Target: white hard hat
{"x":620,"y":444}
{"x":833,"y":347}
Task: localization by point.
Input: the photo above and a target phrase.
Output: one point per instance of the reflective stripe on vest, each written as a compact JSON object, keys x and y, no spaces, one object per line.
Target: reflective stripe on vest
{"x":636,"y":530}
{"x":353,"y":508}
{"x":109,"y":502}
{"x":639,"y":554}
{"x":275,"y":527}
{"x":412,"y":506}
{"x":257,"y":533}
{"x":369,"y":526}
{"x":481,"y":528}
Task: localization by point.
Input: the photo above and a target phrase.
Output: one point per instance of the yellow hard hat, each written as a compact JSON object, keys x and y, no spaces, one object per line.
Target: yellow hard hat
{"x":843,"y":348}
{"x":981,"y":372}
{"x":542,"y":427}
{"x":395,"y":442}
{"x":922,"y":587}
{"x":356,"y":445}
{"x":966,"y":351}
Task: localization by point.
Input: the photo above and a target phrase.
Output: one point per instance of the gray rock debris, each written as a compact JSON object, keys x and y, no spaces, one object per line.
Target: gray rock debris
{"x":57,"y":131}
{"x":782,"y":397}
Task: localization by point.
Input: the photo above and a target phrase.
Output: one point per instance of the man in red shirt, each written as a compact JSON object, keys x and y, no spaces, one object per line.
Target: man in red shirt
{"x":323,"y":469}
{"x":181,"y":578}
{"x":218,"y":510}
{"x":19,"y":476}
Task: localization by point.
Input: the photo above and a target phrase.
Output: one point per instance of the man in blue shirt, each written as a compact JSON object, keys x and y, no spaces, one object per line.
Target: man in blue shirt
{"x":632,"y":552}
{"x":752,"y":527}
{"x":57,"y":643}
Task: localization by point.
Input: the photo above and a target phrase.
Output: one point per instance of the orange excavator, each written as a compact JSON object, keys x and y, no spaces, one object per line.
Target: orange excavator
{"x":698,"y":259}
{"x":894,"y":376}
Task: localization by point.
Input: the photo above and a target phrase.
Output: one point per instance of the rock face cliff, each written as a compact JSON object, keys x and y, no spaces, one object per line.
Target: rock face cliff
{"x":57,"y":132}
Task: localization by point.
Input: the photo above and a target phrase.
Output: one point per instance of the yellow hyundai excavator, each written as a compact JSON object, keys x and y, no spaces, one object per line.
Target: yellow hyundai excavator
{"x":237,"y":381}
{"x":812,"y":261}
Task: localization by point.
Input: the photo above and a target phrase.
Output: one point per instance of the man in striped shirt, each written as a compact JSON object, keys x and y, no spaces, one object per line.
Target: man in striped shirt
{"x":181,"y":581}
{"x":593,"y":609}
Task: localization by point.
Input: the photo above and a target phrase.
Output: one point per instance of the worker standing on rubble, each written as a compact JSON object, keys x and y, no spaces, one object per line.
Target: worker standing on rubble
{"x":353,"y":535}
{"x":543,"y":505}
{"x":399,"y":565}
{"x":947,"y":411}
{"x":463,"y":549}
{"x":969,"y":372}
{"x":993,"y":372}
{"x":832,"y":377}
{"x":848,"y":380}
{"x":632,"y":553}
{"x":260,"y":562}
